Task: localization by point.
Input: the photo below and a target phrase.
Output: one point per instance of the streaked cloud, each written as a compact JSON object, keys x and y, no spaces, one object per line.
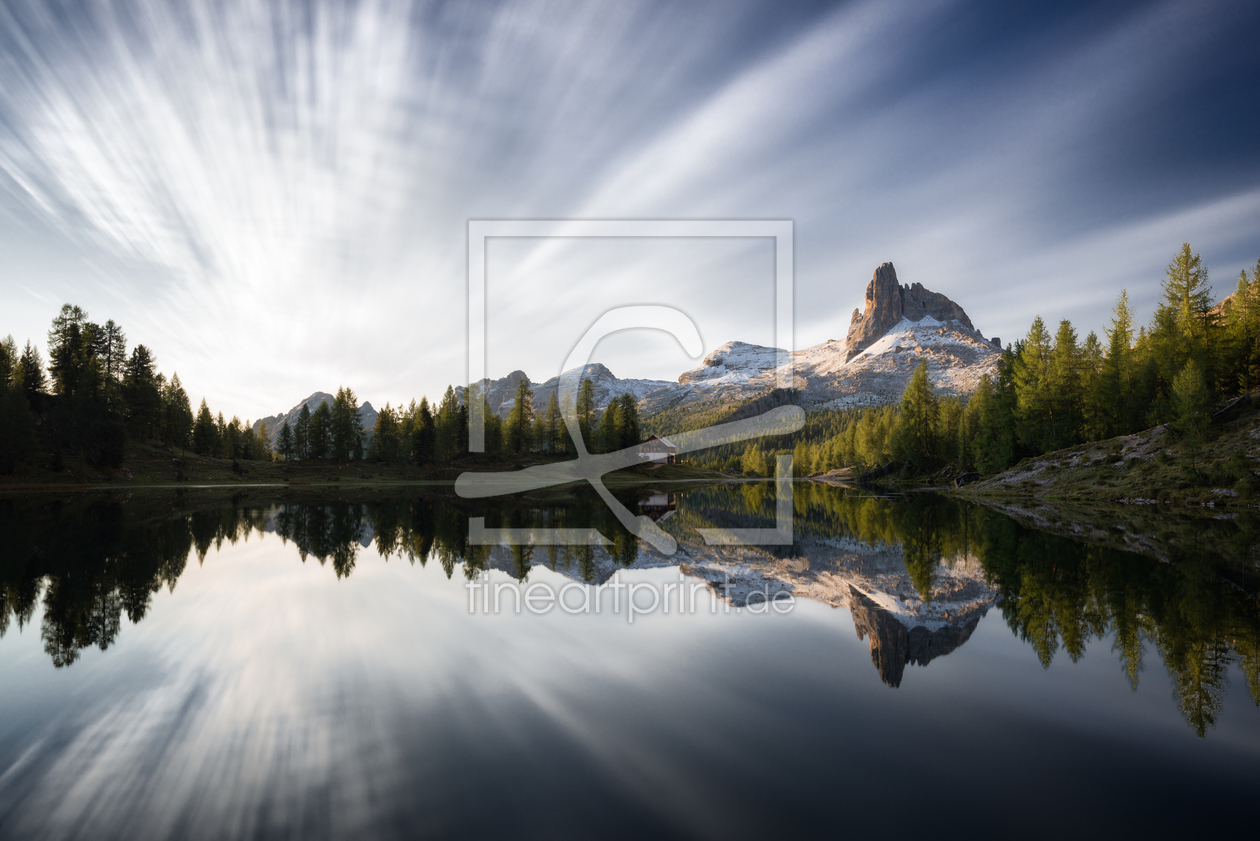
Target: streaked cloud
{"x":274,"y":196}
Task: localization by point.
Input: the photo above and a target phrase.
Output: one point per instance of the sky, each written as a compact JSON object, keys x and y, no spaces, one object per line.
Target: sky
{"x":275,"y":197}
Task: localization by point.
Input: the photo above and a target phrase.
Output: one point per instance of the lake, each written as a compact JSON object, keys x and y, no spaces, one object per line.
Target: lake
{"x":343,"y":663}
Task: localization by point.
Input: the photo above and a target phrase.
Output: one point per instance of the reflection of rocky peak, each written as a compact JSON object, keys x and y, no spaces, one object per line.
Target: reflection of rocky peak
{"x":887,"y":303}
{"x":894,"y":646}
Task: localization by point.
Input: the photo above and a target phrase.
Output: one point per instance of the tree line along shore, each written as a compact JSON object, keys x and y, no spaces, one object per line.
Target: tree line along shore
{"x":1050,"y":391}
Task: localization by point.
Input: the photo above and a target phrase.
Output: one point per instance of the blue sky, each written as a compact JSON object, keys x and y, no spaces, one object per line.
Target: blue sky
{"x":274,"y":197}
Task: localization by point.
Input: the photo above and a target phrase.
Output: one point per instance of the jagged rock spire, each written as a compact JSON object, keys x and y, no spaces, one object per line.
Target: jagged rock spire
{"x":887,"y":302}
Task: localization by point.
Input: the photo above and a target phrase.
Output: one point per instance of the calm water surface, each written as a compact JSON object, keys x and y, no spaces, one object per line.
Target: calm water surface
{"x":308,"y":667}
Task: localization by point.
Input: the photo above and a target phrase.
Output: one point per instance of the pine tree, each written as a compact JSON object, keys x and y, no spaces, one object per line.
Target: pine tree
{"x":586,"y":410}
{"x":1191,"y":400}
{"x":1115,"y":384}
{"x":114,"y":350}
{"x":1243,"y":324}
{"x":1034,"y":422}
{"x":284,"y":445}
{"x":205,"y":433}
{"x":607,"y":432}
{"x":31,"y":374}
{"x":1063,"y":391}
{"x":1095,"y":420}
{"x":346,"y":427}
{"x":422,"y":434}
{"x":142,"y":393}
{"x":1187,"y":292}
{"x":630,"y":433}
{"x":320,"y":441}
{"x":8,"y":361}
{"x":387,"y":437}
{"x":520,"y":424}
{"x":916,"y":428}
{"x":992,"y":409}
{"x":558,"y":441}
{"x":177,"y":416}
{"x":753,"y":462}
{"x":65,"y":352}
{"x":302,"y":434}
{"x":447,"y":442}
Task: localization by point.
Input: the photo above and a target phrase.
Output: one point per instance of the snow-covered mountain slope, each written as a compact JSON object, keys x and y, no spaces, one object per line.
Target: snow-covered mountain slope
{"x":835,"y":374}
{"x":735,"y":362}
{"x":901,"y":327}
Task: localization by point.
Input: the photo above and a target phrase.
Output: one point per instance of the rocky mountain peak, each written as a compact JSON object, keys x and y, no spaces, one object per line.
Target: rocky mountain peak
{"x":887,"y":302}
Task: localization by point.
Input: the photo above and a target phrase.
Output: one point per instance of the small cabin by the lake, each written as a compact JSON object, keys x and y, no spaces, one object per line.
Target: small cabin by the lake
{"x":658,"y":449}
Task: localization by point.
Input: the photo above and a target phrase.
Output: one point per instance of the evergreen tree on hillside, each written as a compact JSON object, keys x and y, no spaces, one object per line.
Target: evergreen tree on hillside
{"x":231,"y":438}
{"x":754,"y":462}
{"x":1034,"y":421}
{"x":1188,"y":294}
{"x":520,"y":423}
{"x":320,"y":441}
{"x":387,"y":437}
{"x":284,"y":444}
{"x":1115,"y":383}
{"x":446,"y":423}
{"x":1191,"y":400}
{"x":607,"y":434}
{"x":177,"y":416}
{"x":1063,"y":391}
{"x":346,"y":427}
{"x":422,"y":434}
{"x":1095,"y":418}
{"x":205,"y":433}
{"x":113,"y":350}
{"x":302,"y":434}
{"x":630,"y":432}
{"x":916,"y":427}
{"x":1186,"y":314}
{"x":66,"y":351}
{"x":586,"y":410}
{"x":142,"y":393}
{"x":1243,"y":326}
{"x":8,"y":361}
{"x":557,"y":438}
{"x":542,"y":443}
{"x":30,"y":373}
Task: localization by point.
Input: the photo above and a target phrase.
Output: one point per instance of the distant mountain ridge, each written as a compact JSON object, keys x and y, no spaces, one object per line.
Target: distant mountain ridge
{"x":899,"y":327}
{"x":273,"y":424}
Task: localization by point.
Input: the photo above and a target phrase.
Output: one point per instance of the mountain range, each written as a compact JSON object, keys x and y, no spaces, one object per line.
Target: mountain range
{"x":898,"y":327}
{"x":273,"y":424}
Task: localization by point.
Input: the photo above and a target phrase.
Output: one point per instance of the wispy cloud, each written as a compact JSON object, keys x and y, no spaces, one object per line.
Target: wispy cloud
{"x":276,"y":195}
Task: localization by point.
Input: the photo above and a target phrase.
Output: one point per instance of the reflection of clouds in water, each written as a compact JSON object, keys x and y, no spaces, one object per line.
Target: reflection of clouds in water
{"x":268,"y":695}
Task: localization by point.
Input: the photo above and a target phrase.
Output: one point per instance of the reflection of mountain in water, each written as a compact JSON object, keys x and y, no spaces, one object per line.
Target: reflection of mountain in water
{"x":874,"y":582}
{"x":917,"y":573}
{"x":894,"y":645}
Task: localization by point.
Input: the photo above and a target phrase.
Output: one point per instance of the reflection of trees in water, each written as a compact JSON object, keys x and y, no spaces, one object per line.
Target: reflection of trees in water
{"x":91,"y":567}
{"x":92,"y":563}
{"x":1059,"y":594}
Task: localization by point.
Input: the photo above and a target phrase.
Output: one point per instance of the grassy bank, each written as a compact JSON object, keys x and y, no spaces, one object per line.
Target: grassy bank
{"x":1154,"y":467}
